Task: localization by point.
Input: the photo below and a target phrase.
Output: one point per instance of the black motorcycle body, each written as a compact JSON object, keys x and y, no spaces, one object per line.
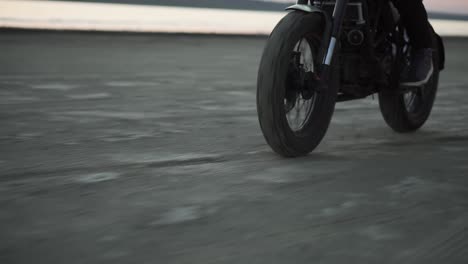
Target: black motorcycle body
{"x":325,"y":52}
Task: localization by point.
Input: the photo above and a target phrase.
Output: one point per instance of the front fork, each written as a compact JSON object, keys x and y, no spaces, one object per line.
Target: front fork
{"x":331,"y":41}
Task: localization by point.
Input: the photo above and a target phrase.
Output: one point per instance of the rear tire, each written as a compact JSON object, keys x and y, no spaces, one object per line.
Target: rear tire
{"x":394,"y":108}
{"x":272,"y":86}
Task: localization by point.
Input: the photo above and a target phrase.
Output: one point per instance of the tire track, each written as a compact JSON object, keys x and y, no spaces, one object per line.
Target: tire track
{"x":448,"y":245}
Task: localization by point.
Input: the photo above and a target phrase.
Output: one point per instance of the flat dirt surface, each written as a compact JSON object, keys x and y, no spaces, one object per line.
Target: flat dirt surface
{"x":147,"y":149}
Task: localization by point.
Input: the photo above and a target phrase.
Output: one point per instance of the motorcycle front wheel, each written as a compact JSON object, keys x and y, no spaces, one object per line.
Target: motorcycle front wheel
{"x":294,"y":117}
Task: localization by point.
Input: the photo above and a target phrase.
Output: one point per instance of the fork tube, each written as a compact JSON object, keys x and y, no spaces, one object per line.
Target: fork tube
{"x":338,"y":16}
{"x":337,"y":20}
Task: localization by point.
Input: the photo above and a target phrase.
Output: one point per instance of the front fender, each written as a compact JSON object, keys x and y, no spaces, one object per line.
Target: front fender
{"x":326,"y":17}
{"x":305,"y":8}
{"x":313,"y":9}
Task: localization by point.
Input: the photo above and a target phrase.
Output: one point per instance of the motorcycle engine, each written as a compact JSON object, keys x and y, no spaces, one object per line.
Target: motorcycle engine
{"x":355,"y":37}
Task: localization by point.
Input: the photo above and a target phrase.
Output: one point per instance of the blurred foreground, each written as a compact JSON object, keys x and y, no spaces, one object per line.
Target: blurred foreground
{"x":146,"y":149}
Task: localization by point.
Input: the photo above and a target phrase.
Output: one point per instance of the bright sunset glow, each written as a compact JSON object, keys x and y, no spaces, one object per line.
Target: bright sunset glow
{"x":451,"y":6}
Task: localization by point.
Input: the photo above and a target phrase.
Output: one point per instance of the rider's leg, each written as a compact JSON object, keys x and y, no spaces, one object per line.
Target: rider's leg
{"x":414,"y":17}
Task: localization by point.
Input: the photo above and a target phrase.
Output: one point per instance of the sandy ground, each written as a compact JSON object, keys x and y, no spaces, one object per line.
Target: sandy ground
{"x":147,"y":149}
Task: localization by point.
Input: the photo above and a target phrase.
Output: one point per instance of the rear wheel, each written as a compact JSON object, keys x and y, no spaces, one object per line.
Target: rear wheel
{"x":408,"y":111}
{"x":293,"y":116}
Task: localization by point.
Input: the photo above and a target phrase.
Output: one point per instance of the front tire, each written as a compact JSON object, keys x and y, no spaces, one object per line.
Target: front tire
{"x":274,"y":87}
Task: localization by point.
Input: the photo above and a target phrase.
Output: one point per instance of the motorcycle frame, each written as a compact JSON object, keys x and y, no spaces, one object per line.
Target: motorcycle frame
{"x":332,"y":40}
{"x":332,"y":34}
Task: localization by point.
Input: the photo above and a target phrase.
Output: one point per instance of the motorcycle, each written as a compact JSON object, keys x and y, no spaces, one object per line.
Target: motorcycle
{"x":324,"y":52}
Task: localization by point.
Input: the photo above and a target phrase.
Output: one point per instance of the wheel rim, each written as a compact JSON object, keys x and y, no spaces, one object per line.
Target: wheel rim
{"x":299,"y":109}
{"x":411,"y":100}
